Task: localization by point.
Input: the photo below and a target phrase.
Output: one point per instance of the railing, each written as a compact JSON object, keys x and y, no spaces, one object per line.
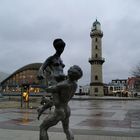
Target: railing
{"x":97,"y":58}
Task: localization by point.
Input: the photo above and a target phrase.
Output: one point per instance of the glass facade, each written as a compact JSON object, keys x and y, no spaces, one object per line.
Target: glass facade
{"x":25,"y":75}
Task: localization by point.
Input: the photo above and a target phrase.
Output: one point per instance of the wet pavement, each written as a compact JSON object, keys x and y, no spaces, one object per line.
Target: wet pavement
{"x":89,"y":117}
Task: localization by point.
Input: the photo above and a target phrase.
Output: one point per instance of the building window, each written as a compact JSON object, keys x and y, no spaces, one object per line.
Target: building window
{"x":96,"y":39}
{"x":96,"y":77}
{"x":96,"y":90}
{"x":96,"y":47}
{"x":111,"y":88}
{"x":118,"y":82}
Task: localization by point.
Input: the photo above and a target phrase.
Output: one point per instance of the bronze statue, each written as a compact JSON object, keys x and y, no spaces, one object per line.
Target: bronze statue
{"x":62,"y":90}
{"x":52,"y":68}
{"x":62,"y":93}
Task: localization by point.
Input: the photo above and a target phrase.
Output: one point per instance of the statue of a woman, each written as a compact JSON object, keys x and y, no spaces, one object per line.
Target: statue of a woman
{"x":52,"y":68}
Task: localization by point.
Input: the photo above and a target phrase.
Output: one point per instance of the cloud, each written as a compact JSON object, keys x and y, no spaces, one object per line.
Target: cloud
{"x":28,"y":28}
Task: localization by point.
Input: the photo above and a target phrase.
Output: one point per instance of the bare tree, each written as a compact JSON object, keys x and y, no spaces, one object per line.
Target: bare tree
{"x":136,"y":71}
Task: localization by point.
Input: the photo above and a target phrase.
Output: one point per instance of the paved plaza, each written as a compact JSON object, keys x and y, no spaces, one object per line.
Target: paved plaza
{"x":90,"y":120}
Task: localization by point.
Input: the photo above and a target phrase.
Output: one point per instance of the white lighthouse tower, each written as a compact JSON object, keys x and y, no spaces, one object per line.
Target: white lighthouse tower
{"x":96,"y":60}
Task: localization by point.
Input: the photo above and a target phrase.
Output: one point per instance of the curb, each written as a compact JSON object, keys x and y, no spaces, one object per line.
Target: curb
{"x":99,"y":98}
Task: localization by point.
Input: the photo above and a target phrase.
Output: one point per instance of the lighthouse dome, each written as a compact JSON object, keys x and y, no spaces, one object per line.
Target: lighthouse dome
{"x":96,"y":22}
{"x":96,"y":25}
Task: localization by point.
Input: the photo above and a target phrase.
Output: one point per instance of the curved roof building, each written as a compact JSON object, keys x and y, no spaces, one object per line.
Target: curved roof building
{"x":24,"y":75}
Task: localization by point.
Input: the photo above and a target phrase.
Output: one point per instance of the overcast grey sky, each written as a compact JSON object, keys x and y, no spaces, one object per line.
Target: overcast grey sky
{"x":28,"y":28}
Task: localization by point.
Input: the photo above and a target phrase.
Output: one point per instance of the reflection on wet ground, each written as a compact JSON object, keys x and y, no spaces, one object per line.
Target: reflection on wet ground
{"x":93,"y":115}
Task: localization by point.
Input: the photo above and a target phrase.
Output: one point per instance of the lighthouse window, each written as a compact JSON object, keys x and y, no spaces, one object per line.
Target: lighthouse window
{"x":96,"y":47}
{"x":96,"y":90}
{"x":96,"y":55}
{"x":96,"y":77}
{"x":96,"y":39}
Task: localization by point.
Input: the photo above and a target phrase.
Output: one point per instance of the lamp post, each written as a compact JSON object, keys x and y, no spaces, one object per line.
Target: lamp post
{"x":80,"y":90}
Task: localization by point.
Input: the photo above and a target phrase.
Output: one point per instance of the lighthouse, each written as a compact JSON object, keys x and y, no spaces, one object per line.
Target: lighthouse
{"x":96,"y":60}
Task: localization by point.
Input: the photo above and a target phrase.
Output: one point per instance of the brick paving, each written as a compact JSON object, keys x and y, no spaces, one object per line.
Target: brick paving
{"x":90,"y":119}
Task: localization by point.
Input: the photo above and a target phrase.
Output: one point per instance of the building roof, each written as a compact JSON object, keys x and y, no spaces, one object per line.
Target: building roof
{"x":32,"y":66}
